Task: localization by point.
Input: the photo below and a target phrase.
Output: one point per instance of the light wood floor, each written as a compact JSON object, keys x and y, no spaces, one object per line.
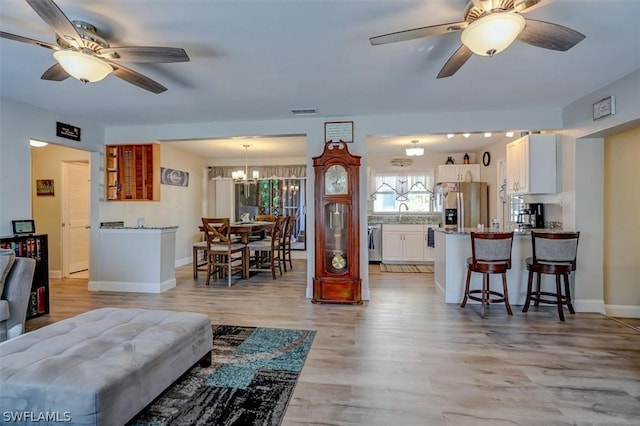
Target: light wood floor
{"x":407,"y":358}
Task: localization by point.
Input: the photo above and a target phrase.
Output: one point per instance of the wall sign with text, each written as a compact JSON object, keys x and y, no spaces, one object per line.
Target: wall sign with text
{"x":336,"y":131}
{"x":67,"y":131}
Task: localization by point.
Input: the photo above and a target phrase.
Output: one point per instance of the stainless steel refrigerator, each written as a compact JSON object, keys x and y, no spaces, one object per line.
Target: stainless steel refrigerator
{"x":464,"y":204}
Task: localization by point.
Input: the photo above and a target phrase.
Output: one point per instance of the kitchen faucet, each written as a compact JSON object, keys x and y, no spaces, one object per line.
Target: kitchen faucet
{"x":406,"y":207}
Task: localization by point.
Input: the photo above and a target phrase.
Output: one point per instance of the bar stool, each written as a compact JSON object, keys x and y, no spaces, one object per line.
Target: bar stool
{"x":490,"y":254}
{"x":553,"y":254}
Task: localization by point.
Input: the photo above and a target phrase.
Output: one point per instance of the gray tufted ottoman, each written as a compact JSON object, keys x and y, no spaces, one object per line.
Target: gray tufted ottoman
{"x":101,"y":367}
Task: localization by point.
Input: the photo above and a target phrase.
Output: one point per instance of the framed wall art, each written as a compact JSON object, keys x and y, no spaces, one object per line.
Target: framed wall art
{"x":44,"y":187}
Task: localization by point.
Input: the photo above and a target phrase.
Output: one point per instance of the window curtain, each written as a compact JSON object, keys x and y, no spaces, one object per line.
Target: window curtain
{"x":266,"y":172}
{"x":402,"y":184}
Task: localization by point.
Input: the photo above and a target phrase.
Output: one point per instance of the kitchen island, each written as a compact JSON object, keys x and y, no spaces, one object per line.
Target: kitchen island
{"x":135,"y":260}
{"x":452,"y":249}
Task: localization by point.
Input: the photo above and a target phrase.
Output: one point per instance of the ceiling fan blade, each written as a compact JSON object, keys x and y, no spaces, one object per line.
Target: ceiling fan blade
{"x":55,"y":73}
{"x":418,"y":33}
{"x":28,"y":40}
{"x":549,"y":36}
{"x":136,"y":78}
{"x":455,"y":62}
{"x":146,"y":54}
{"x":56,"y":19}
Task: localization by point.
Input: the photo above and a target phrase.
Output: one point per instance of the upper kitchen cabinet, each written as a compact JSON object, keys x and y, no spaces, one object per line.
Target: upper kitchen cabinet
{"x":531,"y":165}
{"x":458,"y":173}
{"x":133,"y":172}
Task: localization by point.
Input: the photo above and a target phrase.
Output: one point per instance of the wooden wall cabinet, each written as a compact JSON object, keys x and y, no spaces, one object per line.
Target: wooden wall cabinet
{"x":35,"y":247}
{"x":133,"y":172}
{"x":531,"y":165}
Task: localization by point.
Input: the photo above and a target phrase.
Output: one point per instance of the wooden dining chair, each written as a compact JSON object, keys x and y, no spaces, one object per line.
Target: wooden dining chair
{"x":490,"y":254}
{"x":285,"y":241}
{"x":554,"y":253}
{"x":225,"y":256}
{"x":261,"y":235}
{"x":264,"y":254}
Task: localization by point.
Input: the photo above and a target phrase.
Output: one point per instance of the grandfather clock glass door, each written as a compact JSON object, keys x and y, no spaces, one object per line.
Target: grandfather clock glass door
{"x":336,"y":235}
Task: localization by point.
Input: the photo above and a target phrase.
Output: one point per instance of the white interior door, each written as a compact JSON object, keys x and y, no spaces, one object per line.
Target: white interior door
{"x":75,"y":226}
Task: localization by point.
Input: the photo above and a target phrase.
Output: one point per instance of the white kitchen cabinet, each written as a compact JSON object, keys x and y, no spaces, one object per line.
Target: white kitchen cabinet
{"x":457,"y":172}
{"x":403,"y":243}
{"x":531,"y":165}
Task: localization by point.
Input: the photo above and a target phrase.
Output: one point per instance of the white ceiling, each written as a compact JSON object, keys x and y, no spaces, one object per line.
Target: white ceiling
{"x":258,"y":59}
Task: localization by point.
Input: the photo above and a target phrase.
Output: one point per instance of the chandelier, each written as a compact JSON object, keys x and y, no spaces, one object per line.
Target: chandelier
{"x":243,"y":175}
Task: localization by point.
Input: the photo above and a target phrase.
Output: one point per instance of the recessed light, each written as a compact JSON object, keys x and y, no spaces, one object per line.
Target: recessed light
{"x":487,"y":134}
{"x":450,"y":135}
{"x":509,"y":134}
{"x":466,"y":135}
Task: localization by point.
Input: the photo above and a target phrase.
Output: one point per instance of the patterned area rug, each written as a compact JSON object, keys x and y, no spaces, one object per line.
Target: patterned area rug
{"x":425,"y":269}
{"x":250,"y":381}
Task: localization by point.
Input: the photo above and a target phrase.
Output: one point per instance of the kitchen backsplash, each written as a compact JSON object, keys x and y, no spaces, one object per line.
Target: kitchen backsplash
{"x":405,"y":218}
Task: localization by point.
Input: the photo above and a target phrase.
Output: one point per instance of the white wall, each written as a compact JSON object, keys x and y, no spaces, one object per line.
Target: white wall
{"x":19,"y":122}
{"x":582,"y":179}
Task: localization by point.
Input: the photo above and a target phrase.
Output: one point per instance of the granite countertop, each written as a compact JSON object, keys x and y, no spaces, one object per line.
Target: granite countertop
{"x":516,"y":232}
{"x":150,"y":228}
{"x":405,"y":218}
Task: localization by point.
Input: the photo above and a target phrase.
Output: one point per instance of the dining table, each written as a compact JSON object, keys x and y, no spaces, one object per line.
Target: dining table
{"x":241,"y":229}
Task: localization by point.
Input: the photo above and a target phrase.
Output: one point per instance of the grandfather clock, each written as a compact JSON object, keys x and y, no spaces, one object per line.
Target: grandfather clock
{"x":337,"y":226}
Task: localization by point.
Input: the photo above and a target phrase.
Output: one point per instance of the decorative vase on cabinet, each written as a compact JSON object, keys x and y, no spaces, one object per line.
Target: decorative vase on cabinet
{"x":337,"y":227}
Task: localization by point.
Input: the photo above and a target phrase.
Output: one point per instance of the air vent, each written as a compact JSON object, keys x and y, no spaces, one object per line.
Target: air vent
{"x":401,"y":162}
{"x":304,"y":111}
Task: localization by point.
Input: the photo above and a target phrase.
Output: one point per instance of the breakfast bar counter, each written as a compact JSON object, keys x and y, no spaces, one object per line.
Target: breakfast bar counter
{"x":136,"y":260}
{"x":452,"y":248}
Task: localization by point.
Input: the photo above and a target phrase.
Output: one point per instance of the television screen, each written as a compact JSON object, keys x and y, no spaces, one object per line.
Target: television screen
{"x":26,"y":226}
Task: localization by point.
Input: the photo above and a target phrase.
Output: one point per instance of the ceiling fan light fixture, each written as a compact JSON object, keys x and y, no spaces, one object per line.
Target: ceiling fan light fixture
{"x":414,"y":151}
{"x":82,"y":66}
{"x":493,"y":33}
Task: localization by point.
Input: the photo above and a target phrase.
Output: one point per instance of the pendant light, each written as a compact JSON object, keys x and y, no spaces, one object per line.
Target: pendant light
{"x":414,"y":151}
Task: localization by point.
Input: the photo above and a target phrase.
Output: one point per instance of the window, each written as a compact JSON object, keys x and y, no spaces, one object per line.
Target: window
{"x":275,"y":196}
{"x":392,"y":190}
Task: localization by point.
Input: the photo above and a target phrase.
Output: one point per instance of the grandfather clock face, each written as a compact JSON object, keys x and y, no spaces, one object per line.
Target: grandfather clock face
{"x":335,"y":180}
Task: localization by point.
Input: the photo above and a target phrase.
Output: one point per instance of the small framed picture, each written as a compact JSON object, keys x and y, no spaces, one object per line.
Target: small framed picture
{"x":44,"y":187}
{"x":336,"y":131}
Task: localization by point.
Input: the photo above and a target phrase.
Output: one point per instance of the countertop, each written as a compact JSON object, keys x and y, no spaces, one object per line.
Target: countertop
{"x":141,"y":228}
{"x":405,"y":219}
{"x":467,"y":231}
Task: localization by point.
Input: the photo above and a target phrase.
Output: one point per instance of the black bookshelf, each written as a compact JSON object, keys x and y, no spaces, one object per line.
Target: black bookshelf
{"x":35,"y":247}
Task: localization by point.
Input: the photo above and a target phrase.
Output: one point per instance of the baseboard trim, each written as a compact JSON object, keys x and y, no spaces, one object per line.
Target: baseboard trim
{"x":132,"y":287}
{"x":589,"y":305}
{"x":622,"y":311}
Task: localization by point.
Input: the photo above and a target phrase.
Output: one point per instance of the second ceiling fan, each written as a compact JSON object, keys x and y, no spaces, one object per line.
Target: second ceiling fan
{"x":489,"y":27}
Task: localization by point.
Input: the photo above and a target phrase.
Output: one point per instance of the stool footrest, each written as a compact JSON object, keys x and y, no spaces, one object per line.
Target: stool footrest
{"x":498,"y":299}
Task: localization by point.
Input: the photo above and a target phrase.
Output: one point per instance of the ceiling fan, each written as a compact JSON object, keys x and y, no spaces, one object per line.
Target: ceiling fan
{"x":83,"y":54}
{"x":489,"y":27}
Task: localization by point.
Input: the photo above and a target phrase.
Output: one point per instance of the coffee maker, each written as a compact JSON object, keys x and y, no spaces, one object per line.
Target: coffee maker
{"x":531,"y":216}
